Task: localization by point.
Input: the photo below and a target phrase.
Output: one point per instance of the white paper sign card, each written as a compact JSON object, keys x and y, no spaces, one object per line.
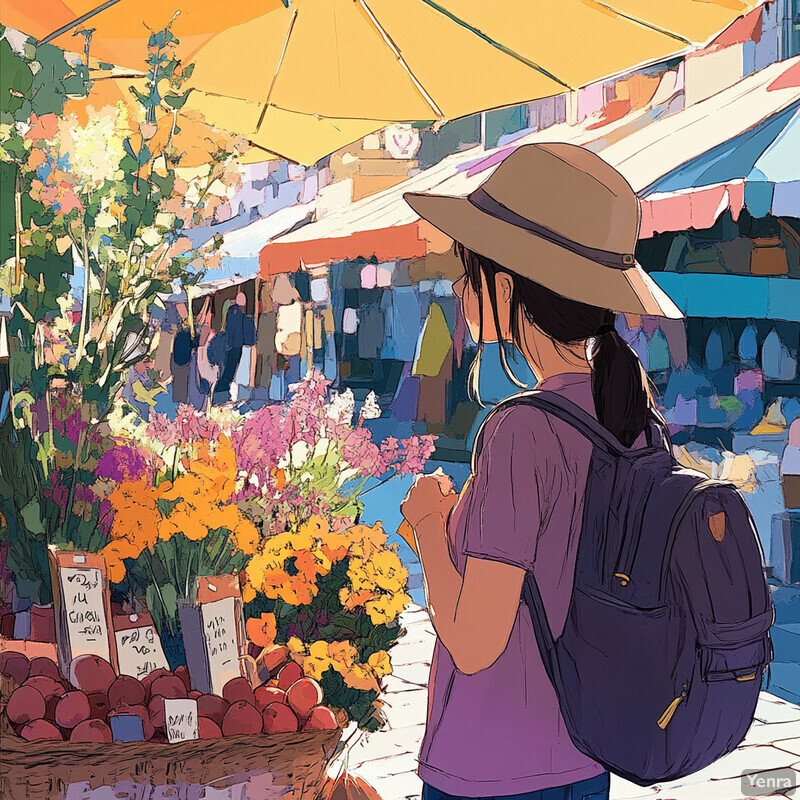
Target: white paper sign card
{"x":82,"y":607}
{"x":181,"y":718}
{"x":219,"y":622}
{"x":139,"y":649}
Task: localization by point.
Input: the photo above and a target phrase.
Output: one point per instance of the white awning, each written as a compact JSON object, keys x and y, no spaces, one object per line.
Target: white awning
{"x":642,"y":149}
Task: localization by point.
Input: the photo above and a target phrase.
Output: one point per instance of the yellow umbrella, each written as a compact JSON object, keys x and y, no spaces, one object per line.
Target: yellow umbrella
{"x":302,"y":78}
{"x":121,"y":27}
{"x":304,"y":138}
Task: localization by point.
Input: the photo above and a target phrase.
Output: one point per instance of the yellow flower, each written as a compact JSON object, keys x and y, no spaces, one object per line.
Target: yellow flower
{"x":343,"y":652}
{"x":313,"y":659}
{"x":318,"y":649}
{"x":366,"y":540}
{"x":361,"y":677}
{"x":350,"y":599}
{"x":335,"y":546}
{"x":381,"y":663}
{"x":387,"y":607}
{"x":388,"y":571}
{"x":296,"y":646}
{"x":256,"y":568}
{"x":360,"y":578}
{"x":248,"y":592}
{"x":315,"y":667}
{"x":316,"y":527}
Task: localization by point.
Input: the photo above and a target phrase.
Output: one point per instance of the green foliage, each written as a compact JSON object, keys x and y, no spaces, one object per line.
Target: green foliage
{"x":101,"y":195}
{"x":359,"y":703}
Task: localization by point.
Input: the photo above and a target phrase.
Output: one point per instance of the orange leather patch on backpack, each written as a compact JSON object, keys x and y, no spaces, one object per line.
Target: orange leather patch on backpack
{"x":716,"y":524}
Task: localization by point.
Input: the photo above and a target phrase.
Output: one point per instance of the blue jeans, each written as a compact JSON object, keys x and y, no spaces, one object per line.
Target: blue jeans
{"x":595,"y":788}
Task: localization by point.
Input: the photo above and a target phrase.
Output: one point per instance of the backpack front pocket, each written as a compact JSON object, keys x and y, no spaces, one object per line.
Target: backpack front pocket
{"x":742,"y":662}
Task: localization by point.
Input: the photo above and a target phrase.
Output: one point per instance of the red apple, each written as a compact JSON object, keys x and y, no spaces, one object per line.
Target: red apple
{"x":41,"y":730}
{"x":208,"y":729}
{"x":269,"y":694}
{"x":321,"y":719}
{"x":25,"y":705}
{"x":126,"y":689}
{"x":47,"y":687}
{"x":41,"y":665}
{"x":279,"y":718}
{"x":213,"y":707}
{"x":157,"y":713}
{"x":98,"y":701}
{"x":241,"y":719}
{"x":92,"y":730}
{"x":182,"y":672}
{"x":91,"y":674}
{"x":72,"y":709}
{"x":15,"y":665}
{"x":289,"y":675}
{"x":148,"y":679}
{"x":50,"y":704}
{"x":303,"y":695}
{"x":168,"y":686}
{"x":237,"y":689}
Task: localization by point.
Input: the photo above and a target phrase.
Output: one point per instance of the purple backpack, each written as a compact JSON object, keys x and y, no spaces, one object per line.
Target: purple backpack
{"x":660,"y":663}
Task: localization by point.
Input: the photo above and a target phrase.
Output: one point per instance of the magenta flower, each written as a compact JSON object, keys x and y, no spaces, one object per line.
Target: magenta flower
{"x":124,"y":461}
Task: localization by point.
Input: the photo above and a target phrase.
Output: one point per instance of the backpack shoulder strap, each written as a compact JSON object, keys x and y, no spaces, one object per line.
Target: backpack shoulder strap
{"x":572,"y":414}
{"x":560,"y":407}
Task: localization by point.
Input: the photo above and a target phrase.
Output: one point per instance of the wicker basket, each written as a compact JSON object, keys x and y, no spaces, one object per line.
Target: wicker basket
{"x":289,"y":765}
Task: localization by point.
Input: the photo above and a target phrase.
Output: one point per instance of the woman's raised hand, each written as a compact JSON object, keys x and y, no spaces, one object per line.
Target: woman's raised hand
{"x":429,"y":495}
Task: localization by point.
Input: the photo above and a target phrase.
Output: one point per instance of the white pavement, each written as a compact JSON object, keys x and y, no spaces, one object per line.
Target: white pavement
{"x":388,"y":758}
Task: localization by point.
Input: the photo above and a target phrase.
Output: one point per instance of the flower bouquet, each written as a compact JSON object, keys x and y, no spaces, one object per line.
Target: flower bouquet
{"x":274,"y":497}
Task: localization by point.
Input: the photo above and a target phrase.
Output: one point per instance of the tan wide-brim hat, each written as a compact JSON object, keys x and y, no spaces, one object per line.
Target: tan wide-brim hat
{"x":561,"y":216}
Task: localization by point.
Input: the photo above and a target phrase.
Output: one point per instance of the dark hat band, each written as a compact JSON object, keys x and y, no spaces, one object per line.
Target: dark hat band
{"x":481,"y":199}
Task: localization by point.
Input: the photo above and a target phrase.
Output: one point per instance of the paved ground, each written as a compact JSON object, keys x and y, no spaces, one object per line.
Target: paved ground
{"x":387,"y":759}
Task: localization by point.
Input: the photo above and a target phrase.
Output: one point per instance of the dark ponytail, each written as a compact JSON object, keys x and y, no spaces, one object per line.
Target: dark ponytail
{"x":623,"y":397}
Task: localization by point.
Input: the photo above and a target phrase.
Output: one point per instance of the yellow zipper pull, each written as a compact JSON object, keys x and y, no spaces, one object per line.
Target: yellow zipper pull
{"x":664,"y":719}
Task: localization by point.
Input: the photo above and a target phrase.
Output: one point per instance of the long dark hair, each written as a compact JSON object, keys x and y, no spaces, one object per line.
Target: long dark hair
{"x":623,"y":397}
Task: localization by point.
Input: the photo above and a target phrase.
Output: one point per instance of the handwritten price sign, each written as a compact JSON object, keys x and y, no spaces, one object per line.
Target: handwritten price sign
{"x":181,"y":716}
{"x":82,"y":607}
{"x":82,"y":593}
{"x":139,"y":648}
{"x":222,"y":646}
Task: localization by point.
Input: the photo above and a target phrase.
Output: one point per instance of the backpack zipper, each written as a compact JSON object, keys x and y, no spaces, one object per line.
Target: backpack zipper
{"x":665,"y":718}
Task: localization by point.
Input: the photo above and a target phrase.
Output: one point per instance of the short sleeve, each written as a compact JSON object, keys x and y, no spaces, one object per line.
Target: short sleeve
{"x":503,"y":511}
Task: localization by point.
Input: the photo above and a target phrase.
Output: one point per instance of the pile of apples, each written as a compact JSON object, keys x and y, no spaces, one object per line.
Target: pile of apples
{"x":46,"y":706}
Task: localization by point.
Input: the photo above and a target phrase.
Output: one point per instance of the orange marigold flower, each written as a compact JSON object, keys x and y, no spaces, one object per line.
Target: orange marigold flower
{"x":245,"y":537}
{"x":262,"y":630}
{"x":114,"y":553}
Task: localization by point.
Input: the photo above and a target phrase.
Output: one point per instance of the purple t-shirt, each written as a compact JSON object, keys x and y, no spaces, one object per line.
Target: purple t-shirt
{"x":500,"y":731}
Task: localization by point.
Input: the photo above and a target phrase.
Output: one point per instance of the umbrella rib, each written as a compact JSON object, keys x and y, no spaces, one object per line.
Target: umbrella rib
{"x":399,"y":56}
{"x":277,"y":70}
{"x":74,"y":24}
{"x":649,"y":25}
{"x":494,"y":43}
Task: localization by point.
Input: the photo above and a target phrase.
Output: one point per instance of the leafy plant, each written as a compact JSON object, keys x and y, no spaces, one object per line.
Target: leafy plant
{"x":112,"y":196}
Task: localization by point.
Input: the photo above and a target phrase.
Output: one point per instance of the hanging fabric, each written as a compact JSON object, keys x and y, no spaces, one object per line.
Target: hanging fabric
{"x":748,"y":343}
{"x":658,"y":352}
{"x":714,"y":354}
{"x":777,"y":362}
